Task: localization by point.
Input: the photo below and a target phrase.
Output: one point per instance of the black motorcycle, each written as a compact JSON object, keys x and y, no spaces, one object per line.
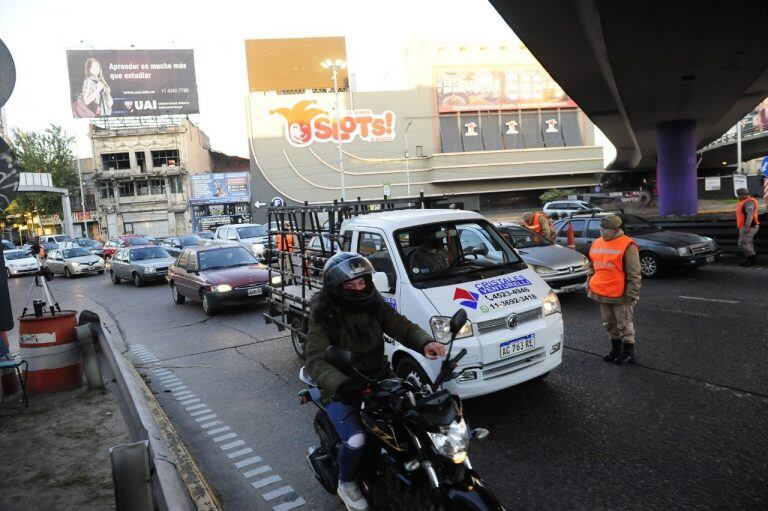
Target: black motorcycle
{"x":417,"y":441}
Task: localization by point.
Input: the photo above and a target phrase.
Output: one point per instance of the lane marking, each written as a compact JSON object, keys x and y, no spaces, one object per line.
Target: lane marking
{"x":685,"y":313}
{"x":168,"y":377}
{"x":185,"y":395}
{"x":236,"y":443}
{"x":206,"y":417}
{"x":195,"y":407}
{"x":257,"y":471}
{"x":219,"y":430}
{"x":249,"y":461}
{"x":241,"y":452}
{"x":287,"y":506}
{"x":210,"y":424}
{"x":200,"y":412}
{"x":228,"y":436}
{"x":266,"y":481}
{"x":272,"y":495}
{"x":190,"y":401}
{"x":715,"y":300}
{"x":177,"y":388}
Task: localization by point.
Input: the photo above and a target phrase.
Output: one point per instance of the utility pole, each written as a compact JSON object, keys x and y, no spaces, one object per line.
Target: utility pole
{"x":82,"y":194}
{"x":407,"y":163}
{"x":738,"y":147}
{"x":335,"y":66}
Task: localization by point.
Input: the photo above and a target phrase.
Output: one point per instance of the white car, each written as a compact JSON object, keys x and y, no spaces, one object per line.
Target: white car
{"x":252,"y":236}
{"x":18,"y":263}
{"x":563,"y":208}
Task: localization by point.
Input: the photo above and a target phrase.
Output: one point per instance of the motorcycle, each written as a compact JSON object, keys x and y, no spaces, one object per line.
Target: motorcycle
{"x":416,"y":440}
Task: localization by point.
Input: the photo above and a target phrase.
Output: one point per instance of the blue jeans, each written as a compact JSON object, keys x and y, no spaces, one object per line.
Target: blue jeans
{"x":346,"y":420}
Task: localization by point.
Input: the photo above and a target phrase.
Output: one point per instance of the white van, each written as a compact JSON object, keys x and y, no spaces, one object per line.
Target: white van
{"x":515,"y":328}
{"x":252,"y":236}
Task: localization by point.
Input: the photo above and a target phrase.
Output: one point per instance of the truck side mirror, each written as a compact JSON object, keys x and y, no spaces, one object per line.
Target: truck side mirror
{"x":381,"y":282}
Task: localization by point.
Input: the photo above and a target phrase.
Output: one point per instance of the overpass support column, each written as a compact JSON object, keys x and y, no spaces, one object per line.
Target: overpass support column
{"x":676,"y":146}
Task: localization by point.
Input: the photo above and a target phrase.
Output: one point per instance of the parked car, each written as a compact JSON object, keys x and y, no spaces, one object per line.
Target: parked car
{"x":251,"y":236}
{"x":660,"y":249}
{"x":73,"y":261}
{"x":564,"y":269}
{"x":18,"y":263}
{"x":7,"y":245}
{"x":176,"y":244}
{"x":139,"y":264}
{"x":563,"y":208}
{"x":93,"y":246}
{"x":127,"y":240}
{"x":208,"y":235}
{"x":218,"y":276}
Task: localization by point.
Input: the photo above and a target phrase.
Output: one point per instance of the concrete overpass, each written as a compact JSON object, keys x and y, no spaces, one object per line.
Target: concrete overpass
{"x":659,"y":78}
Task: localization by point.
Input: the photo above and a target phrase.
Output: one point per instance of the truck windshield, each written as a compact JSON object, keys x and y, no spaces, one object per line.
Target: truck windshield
{"x":254,"y":231}
{"x":439,"y":254}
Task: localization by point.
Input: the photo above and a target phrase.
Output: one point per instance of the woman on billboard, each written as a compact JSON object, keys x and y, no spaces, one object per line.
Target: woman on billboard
{"x":96,"y":98}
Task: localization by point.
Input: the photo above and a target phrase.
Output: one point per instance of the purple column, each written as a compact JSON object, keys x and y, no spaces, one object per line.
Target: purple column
{"x":676,"y":175}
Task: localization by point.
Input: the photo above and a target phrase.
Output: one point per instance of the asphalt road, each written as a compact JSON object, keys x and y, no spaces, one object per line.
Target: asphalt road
{"x":684,"y":428}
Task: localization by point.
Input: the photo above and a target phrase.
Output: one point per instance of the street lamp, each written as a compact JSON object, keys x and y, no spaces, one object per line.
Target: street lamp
{"x":336,"y":66}
{"x":407,"y":166}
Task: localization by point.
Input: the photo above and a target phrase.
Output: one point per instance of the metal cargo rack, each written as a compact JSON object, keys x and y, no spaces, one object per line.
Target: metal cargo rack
{"x":288,"y":301}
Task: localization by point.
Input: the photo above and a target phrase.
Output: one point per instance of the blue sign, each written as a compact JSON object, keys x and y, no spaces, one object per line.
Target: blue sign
{"x":277,"y":202}
{"x":764,"y":166}
{"x":220,"y":188}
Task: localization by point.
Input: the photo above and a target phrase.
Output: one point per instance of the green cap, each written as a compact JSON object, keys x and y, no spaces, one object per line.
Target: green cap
{"x":610,"y":222}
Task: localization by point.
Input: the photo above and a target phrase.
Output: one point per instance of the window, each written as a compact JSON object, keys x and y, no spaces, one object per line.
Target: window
{"x":593,"y":231}
{"x":183,"y":259}
{"x":115,"y":161}
{"x":157,"y":186}
{"x":165,"y":157}
{"x":373,"y":247}
{"x":106,"y":189}
{"x":347,"y":241}
{"x":125,"y":188}
{"x":471,"y":240}
{"x":578,"y":228}
{"x":141,"y":160}
{"x":127,"y":228}
{"x":142,"y":187}
{"x":174,"y":184}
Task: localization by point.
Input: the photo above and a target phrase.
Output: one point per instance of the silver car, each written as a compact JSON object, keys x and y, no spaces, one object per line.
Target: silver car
{"x":140,"y":264}
{"x":565,"y":270}
{"x":73,"y":261}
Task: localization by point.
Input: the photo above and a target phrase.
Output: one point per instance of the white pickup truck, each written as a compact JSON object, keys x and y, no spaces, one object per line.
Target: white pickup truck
{"x":515,"y":328}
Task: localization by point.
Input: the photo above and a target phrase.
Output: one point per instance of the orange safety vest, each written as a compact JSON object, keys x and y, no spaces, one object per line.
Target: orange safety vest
{"x":607,"y":258}
{"x":741,"y":218}
{"x":285,"y":242}
{"x":535,"y":226}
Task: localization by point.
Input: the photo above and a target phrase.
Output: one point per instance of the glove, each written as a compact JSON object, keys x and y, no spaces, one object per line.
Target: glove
{"x":350,"y":392}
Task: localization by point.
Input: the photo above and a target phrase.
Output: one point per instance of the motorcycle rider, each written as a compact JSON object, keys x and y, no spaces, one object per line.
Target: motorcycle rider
{"x":349,"y":313}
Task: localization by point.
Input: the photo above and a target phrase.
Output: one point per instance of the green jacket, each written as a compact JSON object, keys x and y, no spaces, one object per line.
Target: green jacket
{"x":359,"y":332}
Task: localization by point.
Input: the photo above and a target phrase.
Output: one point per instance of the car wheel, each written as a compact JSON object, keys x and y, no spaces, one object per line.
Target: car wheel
{"x":207,"y":307}
{"x":178,"y":299}
{"x":408,"y":368}
{"x":649,"y":265}
{"x":296,"y":340}
{"x":137,"y":280}
{"x":67,"y":273}
{"x":8,"y":273}
{"x":48,"y":275}
{"x":114,"y":278}
{"x":100,"y":272}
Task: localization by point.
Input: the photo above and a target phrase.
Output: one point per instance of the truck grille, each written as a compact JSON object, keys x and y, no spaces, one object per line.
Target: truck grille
{"x":494,"y":325}
{"x":509,"y":365}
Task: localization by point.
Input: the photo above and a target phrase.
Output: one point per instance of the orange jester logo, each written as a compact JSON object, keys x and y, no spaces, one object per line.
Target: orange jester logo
{"x":298,"y":122}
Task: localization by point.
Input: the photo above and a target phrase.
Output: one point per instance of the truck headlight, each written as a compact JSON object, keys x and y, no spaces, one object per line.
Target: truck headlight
{"x":683,"y":251}
{"x":222,"y":288}
{"x":452,"y":441}
{"x":150,"y":270}
{"x":441,"y":329}
{"x":551,"y":304}
{"x":542,"y":270}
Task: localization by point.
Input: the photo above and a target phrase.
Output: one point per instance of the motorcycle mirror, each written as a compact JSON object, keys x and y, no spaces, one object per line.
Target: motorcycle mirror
{"x":339,"y":357}
{"x":458,"y":320}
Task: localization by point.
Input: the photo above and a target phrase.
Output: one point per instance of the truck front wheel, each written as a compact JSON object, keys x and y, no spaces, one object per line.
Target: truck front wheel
{"x":408,"y":368}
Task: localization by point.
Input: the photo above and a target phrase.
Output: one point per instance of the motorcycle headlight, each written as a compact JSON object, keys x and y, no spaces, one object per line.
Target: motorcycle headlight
{"x":551,"y":304}
{"x":452,"y":441}
{"x":441,"y":329}
{"x":683,"y":251}
{"x":277,"y":279}
{"x":150,"y":270}
{"x":542,"y":270}
{"x":222,"y":288}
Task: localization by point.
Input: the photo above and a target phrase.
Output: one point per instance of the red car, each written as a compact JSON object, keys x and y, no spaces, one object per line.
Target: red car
{"x":218,"y":276}
{"x":123,"y":241}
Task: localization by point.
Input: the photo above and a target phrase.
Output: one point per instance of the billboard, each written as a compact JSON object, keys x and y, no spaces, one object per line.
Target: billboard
{"x":220,"y":188}
{"x":510,"y":88}
{"x":129,"y":83}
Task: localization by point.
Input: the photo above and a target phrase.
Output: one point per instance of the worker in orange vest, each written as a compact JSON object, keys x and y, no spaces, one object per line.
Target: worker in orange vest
{"x":615,"y":284}
{"x":539,"y":223}
{"x":748,"y":224}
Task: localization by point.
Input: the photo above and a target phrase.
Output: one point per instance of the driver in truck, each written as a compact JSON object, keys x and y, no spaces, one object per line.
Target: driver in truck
{"x":432,"y":255}
{"x":348,"y":312}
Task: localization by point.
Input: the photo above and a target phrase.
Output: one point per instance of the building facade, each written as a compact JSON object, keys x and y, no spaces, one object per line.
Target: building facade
{"x":141,"y":174}
{"x":477,"y":122}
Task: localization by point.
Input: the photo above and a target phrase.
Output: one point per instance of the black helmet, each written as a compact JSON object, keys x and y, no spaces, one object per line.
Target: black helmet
{"x":343,"y":267}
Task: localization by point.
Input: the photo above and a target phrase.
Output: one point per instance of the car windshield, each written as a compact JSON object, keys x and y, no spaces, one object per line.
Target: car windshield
{"x":137,"y":241}
{"x":75,"y":252}
{"x":144,"y":254}
{"x":254,"y":231}
{"x":225,"y":258}
{"x":520,"y":237}
{"x":440,"y":254}
{"x":8,"y":244}
{"x":634,"y":224}
{"x":13,"y":256}
{"x":62,"y":238}
{"x":189,"y":241}
{"x":88,"y":243}
{"x":206,"y":235}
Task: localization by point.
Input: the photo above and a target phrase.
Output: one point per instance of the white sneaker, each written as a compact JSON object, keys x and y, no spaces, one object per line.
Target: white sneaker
{"x":352,"y":496}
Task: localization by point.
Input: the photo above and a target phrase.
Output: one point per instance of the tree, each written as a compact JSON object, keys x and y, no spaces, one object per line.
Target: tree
{"x":556,"y":194}
{"x":47,"y":151}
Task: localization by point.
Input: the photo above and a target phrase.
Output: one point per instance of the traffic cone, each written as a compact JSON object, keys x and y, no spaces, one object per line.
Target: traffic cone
{"x":571,"y":238}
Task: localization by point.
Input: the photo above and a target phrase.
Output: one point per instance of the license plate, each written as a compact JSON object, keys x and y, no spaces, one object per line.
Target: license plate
{"x":255,"y":291}
{"x":710,"y":259}
{"x":515,"y":346}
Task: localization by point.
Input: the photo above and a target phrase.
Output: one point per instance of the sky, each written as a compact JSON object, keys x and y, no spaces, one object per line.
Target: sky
{"x":38,"y":33}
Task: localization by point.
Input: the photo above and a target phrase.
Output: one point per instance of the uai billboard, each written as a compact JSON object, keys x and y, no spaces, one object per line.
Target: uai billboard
{"x":129,"y":83}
